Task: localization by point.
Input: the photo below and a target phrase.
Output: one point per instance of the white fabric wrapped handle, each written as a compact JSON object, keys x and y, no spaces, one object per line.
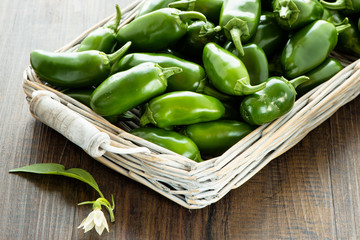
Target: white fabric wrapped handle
{"x":46,"y":107}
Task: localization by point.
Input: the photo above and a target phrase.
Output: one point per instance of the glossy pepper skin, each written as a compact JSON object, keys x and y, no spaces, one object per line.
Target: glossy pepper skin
{"x":210,"y":8}
{"x":181,"y":108}
{"x":214,"y":138}
{"x":309,"y":47}
{"x":351,"y":6}
{"x":198,"y":35}
{"x":104,"y":38}
{"x":128,"y":89}
{"x":269,"y":35}
{"x":171,"y":140}
{"x":227,"y":72}
{"x":152,"y":5}
{"x":240,"y":19}
{"x":272,"y":102}
{"x":255,"y":61}
{"x":293,"y":14}
{"x":191,"y":78}
{"x":319,"y":75}
{"x":157,"y":30}
{"x":74,"y":69}
{"x":349,"y":40}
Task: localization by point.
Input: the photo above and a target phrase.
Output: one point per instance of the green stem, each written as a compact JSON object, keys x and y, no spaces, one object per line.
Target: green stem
{"x":115,"y":24}
{"x":236,"y":38}
{"x":147,"y":117}
{"x":299,"y":80}
{"x":236,"y":29}
{"x":242,"y":87}
{"x":343,"y":27}
{"x":114,"y":57}
{"x":284,"y":12}
{"x":87,"y":202}
{"x":186,"y":5}
{"x":188,"y":15}
{"x":337,"y":5}
{"x":287,"y":10}
{"x":168,"y":72}
{"x":208,"y":31}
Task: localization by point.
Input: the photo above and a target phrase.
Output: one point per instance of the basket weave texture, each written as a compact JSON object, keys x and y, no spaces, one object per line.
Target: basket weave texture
{"x":196,"y":185}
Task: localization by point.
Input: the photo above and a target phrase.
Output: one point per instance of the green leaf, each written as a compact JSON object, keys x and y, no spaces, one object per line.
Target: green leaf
{"x":58,"y":169}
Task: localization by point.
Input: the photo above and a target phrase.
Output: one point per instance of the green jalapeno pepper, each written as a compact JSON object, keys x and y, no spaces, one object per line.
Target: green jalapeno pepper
{"x":349,"y":40}
{"x":171,"y":140}
{"x":181,"y":108}
{"x":191,"y":78}
{"x":255,"y":61}
{"x":84,"y":96}
{"x":309,"y":47}
{"x":208,"y":89}
{"x":272,"y":102}
{"x":81,"y":95}
{"x":210,"y":8}
{"x":240,"y":19}
{"x":269,"y":35}
{"x":352,"y":6}
{"x":293,"y":14}
{"x":227,"y":72}
{"x":157,"y":30}
{"x":198,"y":35}
{"x":128,"y":89}
{"x":319,"y":75}
{"x":152,"y":5}
{"x":104,"y":38}
{"x":74,"y":69}
{"x":214,"y":138}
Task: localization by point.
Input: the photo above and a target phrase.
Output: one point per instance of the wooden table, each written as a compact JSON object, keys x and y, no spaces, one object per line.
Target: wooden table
{"x":310,"y":192}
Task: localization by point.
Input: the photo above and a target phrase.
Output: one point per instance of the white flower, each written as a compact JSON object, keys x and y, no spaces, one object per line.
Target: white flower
{"x":95,"y":218}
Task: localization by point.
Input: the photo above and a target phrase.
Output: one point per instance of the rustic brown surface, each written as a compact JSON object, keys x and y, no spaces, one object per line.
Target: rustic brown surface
{"x":310,"y":192}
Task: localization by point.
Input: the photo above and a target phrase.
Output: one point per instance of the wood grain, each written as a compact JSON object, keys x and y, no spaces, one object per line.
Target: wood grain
{"x":310,"y":192}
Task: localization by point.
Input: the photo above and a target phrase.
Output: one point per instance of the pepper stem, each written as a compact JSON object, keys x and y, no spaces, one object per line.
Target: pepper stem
{"x":287,"y":10}
{"x":168,"y":72}
{"x":185,"y":5}
{"x":208,"y":30}
{"x":236,"y":29}
{"x":336,"y":22}
{"x":297,"y":81}
{"x":243,"y":87}
{"x":114,"y":57}
{"x":337,"y":5}
{"x":147,"y":117}
{"x":115,"y":23}
{"x":186,"y":15}
{"x":343,"y":27}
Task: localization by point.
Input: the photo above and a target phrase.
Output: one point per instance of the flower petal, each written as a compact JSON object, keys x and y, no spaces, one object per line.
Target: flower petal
{"x":89,"y":226}
{"x":82,"y":223}
{"x":99,"y":229}
{"x":99,"y":217}
{"x":105,"y":224}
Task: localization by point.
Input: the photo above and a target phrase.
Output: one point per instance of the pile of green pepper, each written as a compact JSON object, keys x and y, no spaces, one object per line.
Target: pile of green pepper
{"x":205,"y":73}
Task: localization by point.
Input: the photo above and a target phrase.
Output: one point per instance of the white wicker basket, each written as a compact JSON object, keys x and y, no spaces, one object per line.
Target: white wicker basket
{"x":190,"y":184}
